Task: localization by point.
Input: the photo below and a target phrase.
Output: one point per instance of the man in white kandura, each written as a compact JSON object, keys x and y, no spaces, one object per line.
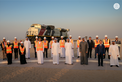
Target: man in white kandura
{"x":55,"y":52}
{"x":114,"y":53}
{"x":27,"y":45}
{"x":71,"y":40}
{"x":62,"y":45}
{"x":77,"y":46}
{"x":40,"y":51}
{"x":50,"y":45}
{"x":68,"y":52}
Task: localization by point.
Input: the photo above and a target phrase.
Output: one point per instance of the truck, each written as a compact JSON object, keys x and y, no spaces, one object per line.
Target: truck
{"x":46,"y":31}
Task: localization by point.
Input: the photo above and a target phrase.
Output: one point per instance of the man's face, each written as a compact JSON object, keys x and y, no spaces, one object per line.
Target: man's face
{"x":44,"y":39}
{"x":8,"y":42}
{"x":52,"y":38}
{"x":70,"y":37}
{"x":15,"y":39}
{"x":100,"y":42}
{"x":116,"y":38}
{"x":96,"y":37}
{"x":39,"y":39}
{"x":79,"y":38}
{"x":26,"y":38}
{"x":113,"y":43}
{"x":22,"y":44}
{"x":67,"y":40}
{"x":106,"y":38}
{"x":4,"y":40}
{"x":83,"y":39}
{"x":36,"y":38}
{"x":89,"y":38}
{"x":61,"y":38}
{"x":55,"y":41}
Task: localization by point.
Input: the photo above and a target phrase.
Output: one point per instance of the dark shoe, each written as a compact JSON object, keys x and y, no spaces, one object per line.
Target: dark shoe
{"x":78,"y":57}
{"x":102,"y":65}
{"x":98,"y":65}
{"x":111,"y":65}
{"x":118,"y":58}
{"x":117,"y":66}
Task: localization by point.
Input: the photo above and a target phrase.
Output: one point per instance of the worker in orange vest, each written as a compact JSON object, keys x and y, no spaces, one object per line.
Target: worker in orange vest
{"x":35,"y":42}
{"x":22,"y":52}
{"x":40,"y":51}
{"x":96,"y":42}
{"x":3,"y":44}
{"x":9,"y":51}
{"x":50,"y":45}
{"x":106,"y":43}
{"x":71,"y":40}
{"x":62,"y":47}
{"x":15,"y":48}
{"x":45,"y":42}
{"x":77,"y":46}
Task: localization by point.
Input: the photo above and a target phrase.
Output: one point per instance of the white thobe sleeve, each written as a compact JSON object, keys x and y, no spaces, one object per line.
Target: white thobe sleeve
{"x":110,"y":50}
{"x":49,"y":45}
{"x":52,"y":48}
{"x":58,"y":48}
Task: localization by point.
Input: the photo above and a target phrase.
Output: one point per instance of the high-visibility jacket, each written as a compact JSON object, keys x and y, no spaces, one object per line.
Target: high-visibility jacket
{"x":35,"y":43}
{"x":22,"y":50}
{"x":78,"y":43}
{"x":51,"y":42}
{"x":3,"y":44}
{"x":39,"y":46}
{"x":71,"y":41}
{"x":62,"y":43}
{"x":96,"y":43}
{"x":45,"y":44}
{"x":16,"y":44}
{"x":9,"y":49}
{"x":106,"y":43}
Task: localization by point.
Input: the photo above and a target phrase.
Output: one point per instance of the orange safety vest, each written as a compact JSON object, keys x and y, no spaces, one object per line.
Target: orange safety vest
{"x":62,"y":43}
{"x":39,"y":46}
{"x":51,"y":42}
{"x":9,"y":49}
{"x":78,"y":43}
{"x":45,"y":44}
{"x":106,"y":43}
{"x":22,"y":50}
{"x":3,"y":44}
{"x":71,"y":41}
{"x":96,"y":43}
{"x":35,"y":43}
{"x":15,"y":44}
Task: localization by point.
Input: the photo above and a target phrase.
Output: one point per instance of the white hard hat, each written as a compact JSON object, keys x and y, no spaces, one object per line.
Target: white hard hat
{"x":36,"y":37}
{"x":106,"y":36}
{"x":70,"y":36}
{"x":44,"y":37}
{"x":15,"y":37}
{"x":61,"y":36}
{"x":8,"y":41}
{"x":97,"y":36}
{"x":52,"y":36}
{"x":4,"y":38}
{"x":21,"y":42}
{"x":116,"y":36}
{"x":79,"y":36}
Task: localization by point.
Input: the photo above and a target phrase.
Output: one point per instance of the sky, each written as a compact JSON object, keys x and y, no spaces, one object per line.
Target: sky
{"x":82,"y":17}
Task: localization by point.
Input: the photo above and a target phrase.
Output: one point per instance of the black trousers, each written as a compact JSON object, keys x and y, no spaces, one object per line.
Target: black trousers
{"x":45,"y":52}
{"x":84,"y":59}
{"x":89,"y":52}
{"x":100,"y":57}
{"x":106,"y":49}
{"x":35,"y":52}
{"x":22,"y":59}
{"x":15,"y":53}
{"x":9,"y":58}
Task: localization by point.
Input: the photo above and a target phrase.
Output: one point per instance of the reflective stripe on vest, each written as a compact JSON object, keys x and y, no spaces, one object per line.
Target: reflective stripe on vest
{"x":9,"y":49}
{"x":39,"y":46}
{"x":35,"y":43}
{"x":62,"y":43}
{"x":78,"y":43}
{"x":15,"y":44}
{"x":3,"y":44}
{"x":22,"y":50}
{"x":71,"y":41}
{"x":96,"y":43}
{"x":106,"y":43}
{"x":45,"y":44}
{"x":51,"y":42}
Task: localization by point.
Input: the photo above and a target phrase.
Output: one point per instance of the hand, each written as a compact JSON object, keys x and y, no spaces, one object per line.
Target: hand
{"x":52,"y":53}
{"x":86,"y":52}
{"x":103,"y":54}
{"x":97,"y":53}
{"x":80,"y":52}
{"x":117,"y":55}
{"x":109,"y":55}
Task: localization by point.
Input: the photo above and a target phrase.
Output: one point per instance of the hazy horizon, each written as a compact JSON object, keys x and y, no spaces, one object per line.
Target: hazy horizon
{"x":82,"y":17}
